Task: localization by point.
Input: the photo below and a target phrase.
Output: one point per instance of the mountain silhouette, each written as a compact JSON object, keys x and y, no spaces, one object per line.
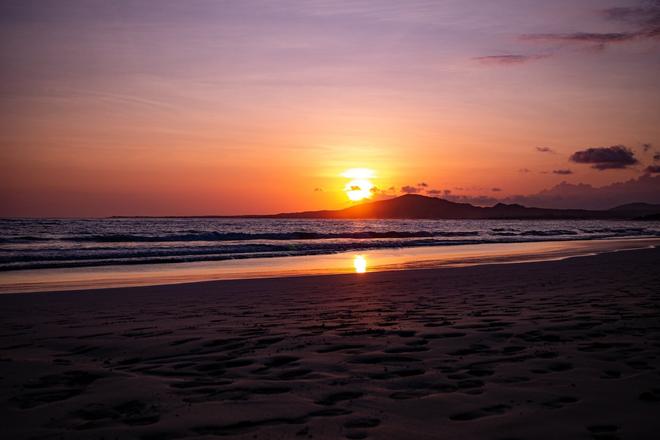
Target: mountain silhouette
{"x":414,"y":206}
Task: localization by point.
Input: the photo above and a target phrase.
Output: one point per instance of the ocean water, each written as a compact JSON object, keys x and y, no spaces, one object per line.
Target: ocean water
{"x":61,"y":243}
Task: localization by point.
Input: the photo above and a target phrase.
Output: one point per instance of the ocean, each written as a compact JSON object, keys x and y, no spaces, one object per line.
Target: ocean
{"x":70,"y":243}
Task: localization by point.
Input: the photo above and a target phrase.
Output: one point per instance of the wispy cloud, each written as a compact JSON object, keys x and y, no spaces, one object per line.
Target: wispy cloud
{"x":508,"y":59}
{"x":479,"y":200}
{"x":643,"y":21}
{"x":600,"y":39}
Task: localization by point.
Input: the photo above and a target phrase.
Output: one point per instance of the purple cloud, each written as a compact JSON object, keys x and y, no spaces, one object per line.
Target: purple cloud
{"x":508,"y":59}
{"x":606,"y":158}
{"x":583,"y":37}
{"x":473,"y":200}
{"x":643,"y":21}
{"x":568,"y":195}
{"x":562,"y":172}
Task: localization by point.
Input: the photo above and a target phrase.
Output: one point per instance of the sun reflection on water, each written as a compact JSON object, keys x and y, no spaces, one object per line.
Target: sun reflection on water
{"x":360,"y":264}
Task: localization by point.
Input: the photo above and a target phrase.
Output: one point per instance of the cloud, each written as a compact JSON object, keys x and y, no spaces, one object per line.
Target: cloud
{"x":478,"y":200}
{"x":646,"y":147}
{"x":506,"y":60}
{"x":438,"y":192}
{"x":644,"y":24}
{"x":599,"y":39}
{"x":656,"y":156}
{"x":383,"y":194}
{"x":318,"y":189}
{"x":496,"y":189}
{"x":566,"y":195}
{"x":562,"y":172}
{"x":414,"y":189}
{"x":606,"y":158}
{"x":646,"y":188}
{"x":545,"y":150}
{"x":641,"y":24}
{"x":524,"y":170}
{"x":645,"y":18}
{"x":408,"y":189}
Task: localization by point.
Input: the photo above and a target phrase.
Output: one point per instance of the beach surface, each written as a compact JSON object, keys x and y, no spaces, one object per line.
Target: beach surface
{"x":545,"y":350}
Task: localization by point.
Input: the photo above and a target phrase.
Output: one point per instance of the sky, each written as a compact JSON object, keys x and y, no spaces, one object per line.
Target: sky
{"x":230,"y":107}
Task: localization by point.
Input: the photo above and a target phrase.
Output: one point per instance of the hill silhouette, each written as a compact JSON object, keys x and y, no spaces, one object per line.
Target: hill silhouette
{"x":415,"y":206}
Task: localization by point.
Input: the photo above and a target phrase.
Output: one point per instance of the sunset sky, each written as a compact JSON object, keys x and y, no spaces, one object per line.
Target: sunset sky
{"x":228,"y":107}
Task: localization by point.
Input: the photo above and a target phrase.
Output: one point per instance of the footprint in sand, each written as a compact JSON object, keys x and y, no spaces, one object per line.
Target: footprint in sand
{"x":652,"y":395}
{"x":331,"y":399}
{"x":560,"y":402}
{"x":355,"y":425}
{"x":603,"y":432}
{"x":55,"y":387}
{"x":481,"y":412}
{"x":132,"y":413}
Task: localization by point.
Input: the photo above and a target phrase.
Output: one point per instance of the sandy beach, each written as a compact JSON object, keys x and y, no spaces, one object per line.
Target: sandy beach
{"x":560,"y":349}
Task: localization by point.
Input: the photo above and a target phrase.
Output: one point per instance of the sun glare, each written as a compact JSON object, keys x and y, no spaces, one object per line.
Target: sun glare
{"x":359,"y":187}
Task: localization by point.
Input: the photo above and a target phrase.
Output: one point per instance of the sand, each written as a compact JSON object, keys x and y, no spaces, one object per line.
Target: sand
{"x":553,"y":350}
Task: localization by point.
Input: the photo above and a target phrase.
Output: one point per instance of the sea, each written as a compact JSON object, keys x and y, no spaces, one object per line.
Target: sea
{"x":73,"y":243}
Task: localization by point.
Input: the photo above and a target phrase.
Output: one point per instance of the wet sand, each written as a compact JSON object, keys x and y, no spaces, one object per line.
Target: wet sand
{"x":558,"y":349}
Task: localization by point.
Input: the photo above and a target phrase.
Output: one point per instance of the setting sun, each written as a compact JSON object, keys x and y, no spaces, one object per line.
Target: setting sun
{"x":359,"y":187}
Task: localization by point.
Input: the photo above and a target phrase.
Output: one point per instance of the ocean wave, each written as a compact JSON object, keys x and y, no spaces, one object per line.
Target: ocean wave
{"x":245,"y":236}
{"x":35,"y":244}
{"x":122,"y":256}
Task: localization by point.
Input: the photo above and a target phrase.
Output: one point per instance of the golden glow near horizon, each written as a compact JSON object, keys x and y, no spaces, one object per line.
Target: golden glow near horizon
{"x":359,"y":187}
{"x":196,"y":109}
{"x":360,"y":264}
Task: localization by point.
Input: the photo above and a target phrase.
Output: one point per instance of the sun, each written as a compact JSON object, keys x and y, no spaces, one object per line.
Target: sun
{"x":359,"y":187}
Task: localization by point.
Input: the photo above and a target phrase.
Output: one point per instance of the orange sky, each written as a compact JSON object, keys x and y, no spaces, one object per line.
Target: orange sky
{"x":212,"y":108}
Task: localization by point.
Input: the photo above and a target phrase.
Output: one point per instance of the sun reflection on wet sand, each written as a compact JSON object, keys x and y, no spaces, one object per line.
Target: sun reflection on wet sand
{"x":360,"y":264}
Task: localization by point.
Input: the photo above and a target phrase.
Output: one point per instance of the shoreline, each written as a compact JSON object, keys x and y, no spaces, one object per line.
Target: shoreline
{"x":411,"y":258}
{"x":544,"y":350}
